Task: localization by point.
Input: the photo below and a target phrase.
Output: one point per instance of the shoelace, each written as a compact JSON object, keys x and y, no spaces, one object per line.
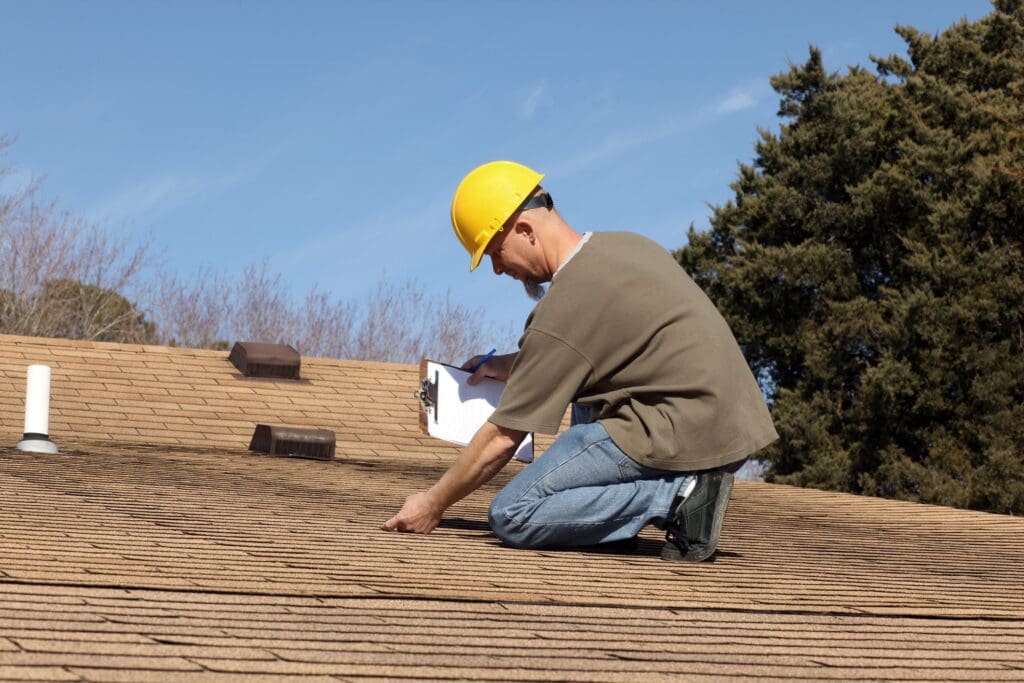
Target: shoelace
{"x":678,"y":540}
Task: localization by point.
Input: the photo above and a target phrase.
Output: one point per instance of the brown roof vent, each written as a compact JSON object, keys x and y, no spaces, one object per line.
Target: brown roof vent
{"x":255,"y":359}
{"x":294,"y":442}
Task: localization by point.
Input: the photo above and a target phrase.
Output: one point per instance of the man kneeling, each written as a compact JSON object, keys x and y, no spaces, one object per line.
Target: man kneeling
{"x":665,"y":408}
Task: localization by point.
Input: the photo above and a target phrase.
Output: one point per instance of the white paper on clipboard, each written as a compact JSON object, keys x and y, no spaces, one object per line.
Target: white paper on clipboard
{"x":459,"y":409}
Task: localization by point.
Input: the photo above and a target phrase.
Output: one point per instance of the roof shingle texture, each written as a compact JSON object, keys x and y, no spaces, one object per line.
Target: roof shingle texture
{"x":156,"y":547}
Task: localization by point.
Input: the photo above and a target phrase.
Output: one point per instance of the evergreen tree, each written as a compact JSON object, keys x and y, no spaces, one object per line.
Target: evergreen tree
{"x":871,"y":265}
{"x":74,"y":310}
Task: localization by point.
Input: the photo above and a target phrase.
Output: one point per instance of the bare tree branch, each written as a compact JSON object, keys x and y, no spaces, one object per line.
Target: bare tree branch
{"x":61,"y":277}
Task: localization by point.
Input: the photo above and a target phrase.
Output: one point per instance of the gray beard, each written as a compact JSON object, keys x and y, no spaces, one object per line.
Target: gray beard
{"x":534,"y":290}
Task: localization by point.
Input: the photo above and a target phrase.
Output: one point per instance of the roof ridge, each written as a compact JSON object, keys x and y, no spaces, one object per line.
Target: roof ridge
{"x":89,"y":345}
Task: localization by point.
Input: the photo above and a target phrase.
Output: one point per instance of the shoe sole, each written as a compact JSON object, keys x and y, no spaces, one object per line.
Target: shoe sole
{"x":671,"y":552}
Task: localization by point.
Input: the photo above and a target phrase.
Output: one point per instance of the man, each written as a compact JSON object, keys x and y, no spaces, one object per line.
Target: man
{"x":665,"y":408}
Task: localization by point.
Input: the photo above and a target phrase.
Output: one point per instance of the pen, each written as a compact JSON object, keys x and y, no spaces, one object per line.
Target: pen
{"x":487,"y":357}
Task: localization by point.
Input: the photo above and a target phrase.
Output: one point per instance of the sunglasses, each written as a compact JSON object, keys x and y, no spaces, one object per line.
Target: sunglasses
{"x":537,"y":201}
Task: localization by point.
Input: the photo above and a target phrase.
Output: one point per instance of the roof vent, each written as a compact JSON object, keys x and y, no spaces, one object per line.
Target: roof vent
{"x":37,"y":412}
{"x":255,"y":359}
{"x":294,"y":442}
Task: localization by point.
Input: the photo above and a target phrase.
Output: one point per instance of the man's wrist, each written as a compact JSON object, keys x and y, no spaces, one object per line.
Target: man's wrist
{"x":435,"y":500}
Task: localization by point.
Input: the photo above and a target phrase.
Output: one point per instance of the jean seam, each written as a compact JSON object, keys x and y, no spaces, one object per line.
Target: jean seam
{"x":562,"y":464}
{"x":622,"y":472}
{"x":582,"y":524}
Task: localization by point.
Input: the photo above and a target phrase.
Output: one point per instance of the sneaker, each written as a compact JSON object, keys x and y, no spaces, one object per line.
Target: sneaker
{"x":693,"y":524}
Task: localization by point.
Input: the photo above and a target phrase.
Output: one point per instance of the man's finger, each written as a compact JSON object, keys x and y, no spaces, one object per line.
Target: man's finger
{"x":391,"y":524}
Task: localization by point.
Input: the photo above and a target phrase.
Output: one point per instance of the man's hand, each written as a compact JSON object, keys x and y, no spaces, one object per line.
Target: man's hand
{"x":491,"y":447}
{"x":497,"y":367}
{"x":420,"y":515}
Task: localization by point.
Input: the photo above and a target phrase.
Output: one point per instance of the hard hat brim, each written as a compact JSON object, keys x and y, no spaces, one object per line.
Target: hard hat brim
{"x":474,"y":261}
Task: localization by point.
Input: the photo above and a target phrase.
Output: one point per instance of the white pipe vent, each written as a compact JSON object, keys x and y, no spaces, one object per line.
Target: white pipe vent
{"x":37,"y":412}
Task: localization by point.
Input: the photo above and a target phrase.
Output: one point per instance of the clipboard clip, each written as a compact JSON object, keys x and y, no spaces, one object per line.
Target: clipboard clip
{"x":427,"y":395}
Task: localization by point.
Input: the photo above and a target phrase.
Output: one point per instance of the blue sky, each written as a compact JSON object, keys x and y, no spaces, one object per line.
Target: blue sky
{"x":328,"y":137}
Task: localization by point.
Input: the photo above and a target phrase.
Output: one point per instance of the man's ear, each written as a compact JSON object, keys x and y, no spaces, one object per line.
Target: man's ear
{"x":524,"y":227}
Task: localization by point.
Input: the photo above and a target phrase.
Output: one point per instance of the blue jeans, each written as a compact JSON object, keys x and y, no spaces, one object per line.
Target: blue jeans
{"x":583,"y":491}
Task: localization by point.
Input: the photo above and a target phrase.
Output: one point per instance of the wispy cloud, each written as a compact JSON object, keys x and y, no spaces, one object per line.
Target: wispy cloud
{"x":533,"y":99}
{"x":743,"y":96}
{"x":354,"y":247}
{"x":15,"y":180}
{"x":616,"y":144}
{"x":165,"y":191}
{"x":143,"y":197}
{"x":739,"y":98}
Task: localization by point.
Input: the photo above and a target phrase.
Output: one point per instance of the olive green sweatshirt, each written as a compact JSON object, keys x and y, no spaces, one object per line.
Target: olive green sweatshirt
{"x":624,"y":330}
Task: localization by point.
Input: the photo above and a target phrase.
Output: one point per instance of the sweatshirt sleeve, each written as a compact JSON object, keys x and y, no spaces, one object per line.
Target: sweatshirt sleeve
{"x":546,"y":377}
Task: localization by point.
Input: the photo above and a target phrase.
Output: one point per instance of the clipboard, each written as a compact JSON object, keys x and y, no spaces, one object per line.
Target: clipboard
{"x":453,"y":410}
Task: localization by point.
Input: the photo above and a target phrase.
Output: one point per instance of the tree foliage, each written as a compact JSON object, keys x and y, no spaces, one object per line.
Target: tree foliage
{"x":398,"y":323}
{"x":871,"y":264}
{"x":60,"y":277}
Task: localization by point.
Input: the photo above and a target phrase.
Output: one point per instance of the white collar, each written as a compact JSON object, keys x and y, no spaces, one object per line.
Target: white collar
{"x":579,"y":245}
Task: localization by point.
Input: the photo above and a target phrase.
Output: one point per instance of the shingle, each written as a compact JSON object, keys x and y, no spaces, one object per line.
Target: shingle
{"x":71,"y":659}
{"x":99,"y":675}
{"x":35,"y":673}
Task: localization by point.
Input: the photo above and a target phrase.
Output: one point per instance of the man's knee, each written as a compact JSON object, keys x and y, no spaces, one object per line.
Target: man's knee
{"x":506,"y":523}
{"x":498,"y":521}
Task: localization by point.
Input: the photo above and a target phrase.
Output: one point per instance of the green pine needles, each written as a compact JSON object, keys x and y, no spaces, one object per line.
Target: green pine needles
{"x":872,"y":268}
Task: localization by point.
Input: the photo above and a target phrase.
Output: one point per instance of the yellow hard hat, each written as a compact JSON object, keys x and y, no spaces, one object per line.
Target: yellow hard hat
{"x":485,"y":199}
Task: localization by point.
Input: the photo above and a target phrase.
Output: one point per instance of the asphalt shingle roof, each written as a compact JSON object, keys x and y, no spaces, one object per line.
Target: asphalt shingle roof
{"x":156,"y":547}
